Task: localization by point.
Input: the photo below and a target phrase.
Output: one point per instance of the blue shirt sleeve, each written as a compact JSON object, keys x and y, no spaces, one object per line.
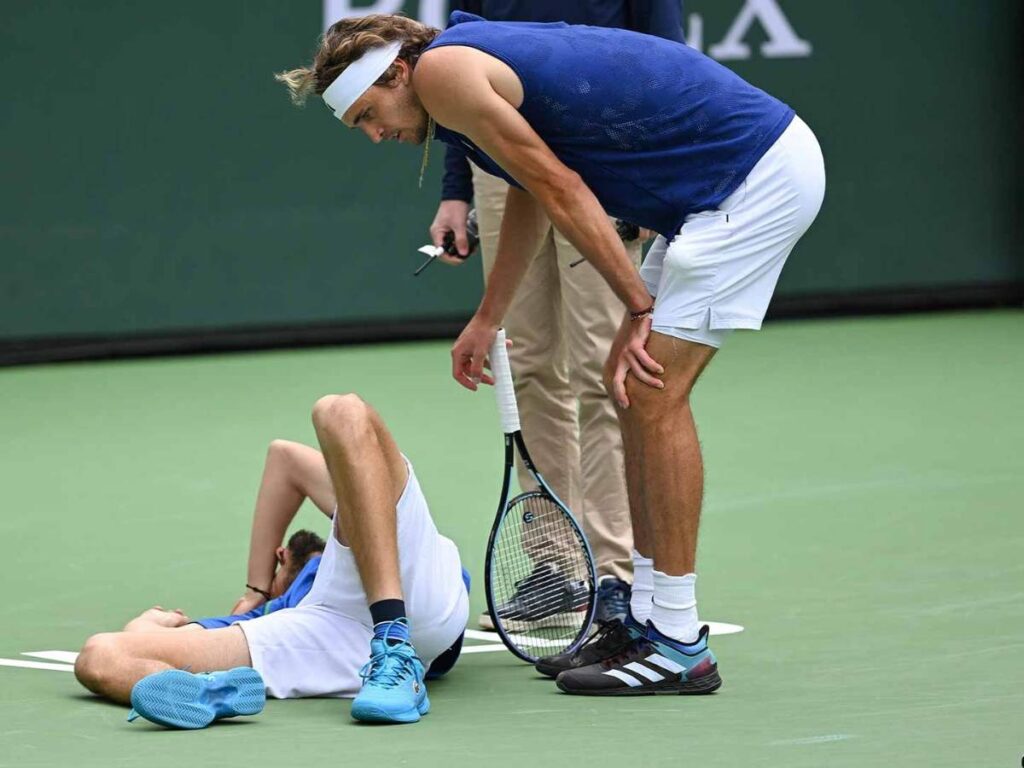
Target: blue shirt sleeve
{"x":216,"y":622}
{"x":292,"y":597}
{"x":458,"y":177}
{"x":457,"y":183}
{"x":663,"y":18}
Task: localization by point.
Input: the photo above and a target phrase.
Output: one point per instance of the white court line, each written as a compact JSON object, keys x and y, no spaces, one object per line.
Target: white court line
{"x":716,"y":628}
{"x":476,"y":634}
{"x":490,"y":638}
{"x":482,"y":648}
{"x":68,"y":657}
{"x":721,"y":628}
{"x":36,"y":665}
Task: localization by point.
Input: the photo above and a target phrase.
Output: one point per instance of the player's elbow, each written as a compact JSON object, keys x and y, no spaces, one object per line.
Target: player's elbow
{"x":566,"y":184}
{"x":560,"y":191}
{"x":280,"y":453}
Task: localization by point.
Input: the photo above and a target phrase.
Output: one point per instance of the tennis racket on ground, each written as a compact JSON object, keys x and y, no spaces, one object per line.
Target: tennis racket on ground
{"x":539,"y":571}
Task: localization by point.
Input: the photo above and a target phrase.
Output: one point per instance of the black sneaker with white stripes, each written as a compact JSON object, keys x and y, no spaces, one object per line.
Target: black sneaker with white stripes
{"x":655,"y":664}
{"x":612,"y":639}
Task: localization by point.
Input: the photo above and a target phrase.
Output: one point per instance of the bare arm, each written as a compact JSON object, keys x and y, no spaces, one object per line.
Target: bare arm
{"x":460,"y":88}
{"x":292,"y":473}
{"x":518,"y":245}
{"x":455,"y":87}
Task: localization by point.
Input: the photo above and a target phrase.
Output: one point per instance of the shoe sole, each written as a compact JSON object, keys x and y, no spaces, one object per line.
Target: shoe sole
{"x":551,"y":672}
{"x":700,"y":686}
{"x":178,"y":699}
{"x":368,"y":713}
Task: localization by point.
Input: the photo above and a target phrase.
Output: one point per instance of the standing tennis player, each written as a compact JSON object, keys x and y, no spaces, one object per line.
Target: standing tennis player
{"x":563,"y":320}
{"x":581,"y":120}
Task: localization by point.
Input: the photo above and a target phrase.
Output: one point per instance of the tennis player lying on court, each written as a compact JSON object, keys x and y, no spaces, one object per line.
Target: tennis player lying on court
{"x":387,"y":579}
{"x":297,"y":564}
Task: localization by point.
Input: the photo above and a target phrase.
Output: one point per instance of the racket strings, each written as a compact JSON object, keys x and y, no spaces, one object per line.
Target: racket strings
{"x":542,"y":582}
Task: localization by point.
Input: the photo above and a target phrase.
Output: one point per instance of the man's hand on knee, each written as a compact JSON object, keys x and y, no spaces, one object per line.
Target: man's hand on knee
{"x":629,"y":356}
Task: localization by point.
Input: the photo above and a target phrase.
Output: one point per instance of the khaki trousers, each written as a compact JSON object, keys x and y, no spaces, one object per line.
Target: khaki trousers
{"x":562,"y":323}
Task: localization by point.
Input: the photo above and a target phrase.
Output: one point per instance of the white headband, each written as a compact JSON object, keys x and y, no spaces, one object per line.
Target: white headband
{"x":357,"y":77}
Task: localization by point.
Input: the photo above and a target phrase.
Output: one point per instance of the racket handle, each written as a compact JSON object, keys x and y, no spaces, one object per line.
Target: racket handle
{"x":508,"y":411}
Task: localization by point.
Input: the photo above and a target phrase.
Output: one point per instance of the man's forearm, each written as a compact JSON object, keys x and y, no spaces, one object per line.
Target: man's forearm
{"x":278,"y":500}
{"x":518,"y":244}
{"x":577,"y":214}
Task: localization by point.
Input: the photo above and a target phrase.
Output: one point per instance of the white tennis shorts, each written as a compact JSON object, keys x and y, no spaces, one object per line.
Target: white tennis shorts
{"x":317,"y":648}
{"x":720,"y":270}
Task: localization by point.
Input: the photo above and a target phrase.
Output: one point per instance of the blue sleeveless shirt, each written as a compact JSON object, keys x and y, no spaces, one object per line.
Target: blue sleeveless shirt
{"x":656,"y":129}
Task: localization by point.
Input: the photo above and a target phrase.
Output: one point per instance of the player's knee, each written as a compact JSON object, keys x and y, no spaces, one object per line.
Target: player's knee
{"x":94,"y":662}
{"x":348,"y":419}
{"x":650,"y":403}
{"x":330,"y":410}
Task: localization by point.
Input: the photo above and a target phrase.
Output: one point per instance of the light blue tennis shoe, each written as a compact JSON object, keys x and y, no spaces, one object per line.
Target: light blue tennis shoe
{"x":393,"y":689}
{"x":178,"y":699}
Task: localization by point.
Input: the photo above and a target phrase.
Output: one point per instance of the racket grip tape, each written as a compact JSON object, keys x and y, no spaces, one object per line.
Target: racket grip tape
{"x":508,"y":411}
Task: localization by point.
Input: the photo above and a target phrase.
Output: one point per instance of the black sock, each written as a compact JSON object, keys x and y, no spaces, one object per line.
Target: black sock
{"x":387,"y":610}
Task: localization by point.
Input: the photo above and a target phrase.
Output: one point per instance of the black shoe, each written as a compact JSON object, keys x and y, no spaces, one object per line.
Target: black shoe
{"x":612,"y":639}
{"x":655,"y":664}
{"x":545,"y":592}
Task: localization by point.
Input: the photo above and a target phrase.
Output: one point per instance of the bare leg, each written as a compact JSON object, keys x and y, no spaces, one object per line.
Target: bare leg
{"x":110,"y":664}
{"x":368,"y":475}
{"x":632,"y":444}
{"x":665,"y":473}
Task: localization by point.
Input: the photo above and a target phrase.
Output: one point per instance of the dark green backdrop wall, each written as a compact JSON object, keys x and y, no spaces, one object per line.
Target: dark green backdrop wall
{"x":156,"y":179}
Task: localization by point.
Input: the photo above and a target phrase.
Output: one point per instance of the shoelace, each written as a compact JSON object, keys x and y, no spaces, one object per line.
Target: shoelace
{"x":614,"y":596}
{"x":387,"y":668}
{"x":637,"y":645}
{"x":608,"y":636}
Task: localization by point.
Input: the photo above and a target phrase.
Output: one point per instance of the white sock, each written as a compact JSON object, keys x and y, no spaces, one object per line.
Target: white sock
{"x":643,"y":587}
{"x":674,"y":606}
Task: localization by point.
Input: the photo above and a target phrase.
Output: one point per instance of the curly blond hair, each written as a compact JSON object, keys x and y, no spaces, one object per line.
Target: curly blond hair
{"x":346,"y":41}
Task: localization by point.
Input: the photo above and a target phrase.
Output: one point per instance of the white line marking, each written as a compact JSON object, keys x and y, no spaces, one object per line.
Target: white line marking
{"x":715,"y":628}
{"x":68,"y":657}
{"x":36,"y":665}
{"x":721,"y":628}
{"x":825,"y":739}
{"x":492,"y":637}
{"x":482,"y":648}
{"x":476,"y":634}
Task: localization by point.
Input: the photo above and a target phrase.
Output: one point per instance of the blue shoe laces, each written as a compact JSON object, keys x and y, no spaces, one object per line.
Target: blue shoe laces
{"x":391,"y":661}
{"x":612,"y":598}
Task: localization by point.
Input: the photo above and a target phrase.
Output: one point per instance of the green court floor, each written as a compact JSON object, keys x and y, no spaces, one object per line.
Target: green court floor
{"x":864,"y":522}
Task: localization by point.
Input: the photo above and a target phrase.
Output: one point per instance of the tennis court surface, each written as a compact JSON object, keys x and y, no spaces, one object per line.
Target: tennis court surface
{"x":863,"y":522}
